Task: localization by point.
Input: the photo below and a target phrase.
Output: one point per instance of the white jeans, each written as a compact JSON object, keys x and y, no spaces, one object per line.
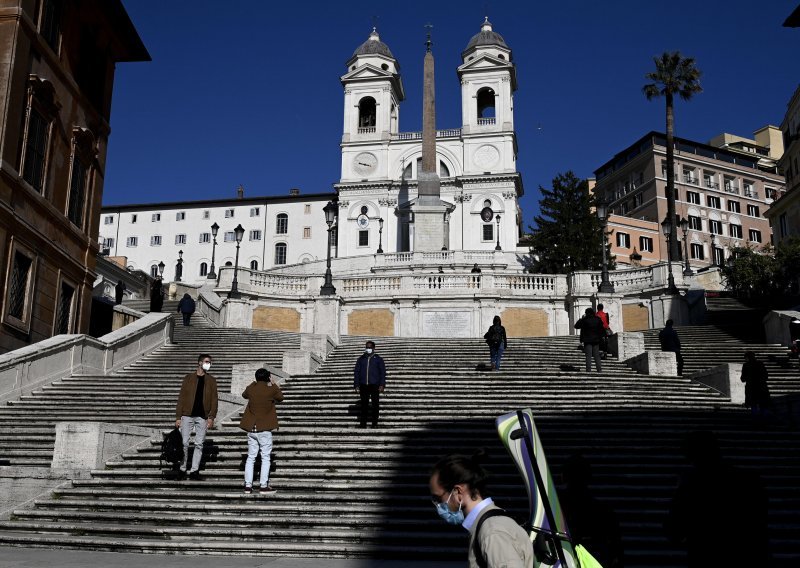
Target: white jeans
{"x":258,"y":441}
{"x":200,"y":426}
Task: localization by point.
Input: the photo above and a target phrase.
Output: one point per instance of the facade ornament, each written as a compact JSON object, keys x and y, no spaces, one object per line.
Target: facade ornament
{"x":509,"y":195}
{"x":343,"y":204}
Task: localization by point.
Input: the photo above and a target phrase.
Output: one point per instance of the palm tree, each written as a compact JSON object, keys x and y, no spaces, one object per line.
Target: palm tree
{"x":674,"y":75}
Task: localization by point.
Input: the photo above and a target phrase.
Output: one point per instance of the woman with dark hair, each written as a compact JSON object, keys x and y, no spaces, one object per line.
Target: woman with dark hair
{"x":458,"y":486}
{"x":497,"y":341}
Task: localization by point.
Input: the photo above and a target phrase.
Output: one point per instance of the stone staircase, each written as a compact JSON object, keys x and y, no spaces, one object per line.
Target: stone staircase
{"x":348,"y":492}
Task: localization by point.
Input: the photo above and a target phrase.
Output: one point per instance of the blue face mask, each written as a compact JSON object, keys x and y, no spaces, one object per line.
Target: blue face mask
{"x":448,"y":516}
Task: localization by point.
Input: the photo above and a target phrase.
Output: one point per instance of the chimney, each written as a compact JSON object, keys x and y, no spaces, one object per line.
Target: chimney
{"x":240,"y":192}
{"x":294,"y":191}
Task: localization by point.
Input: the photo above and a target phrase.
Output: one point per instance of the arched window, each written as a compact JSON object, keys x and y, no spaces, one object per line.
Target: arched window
{"x":253,"y":265}
{"x":486,"y":103}
{"x":282,"y":224}
{"x":444,"y":171}
{"x":154,"y":270}
{"x":229,"y":263}
{"x":203,"y":269}
{"x":366,"y":112}
{"x":280,"y":253}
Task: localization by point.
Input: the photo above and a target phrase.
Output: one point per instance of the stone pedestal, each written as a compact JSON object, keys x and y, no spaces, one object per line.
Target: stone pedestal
{"x":326,"y":317}
{"x":318,"y":344}
{"x":669,"y":306}
{"x":726,"y":379}
{"x":626,"y":345}
{"x":88,"y":445}
{"x":429,"y":225}
{"x":299,"y":362}
{"x":654,"y":363}
{"x":237,"y":313}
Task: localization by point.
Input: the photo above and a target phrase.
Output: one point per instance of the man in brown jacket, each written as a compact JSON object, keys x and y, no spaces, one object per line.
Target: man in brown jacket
{"x":197,"y":408}
{"x":258,"y":420}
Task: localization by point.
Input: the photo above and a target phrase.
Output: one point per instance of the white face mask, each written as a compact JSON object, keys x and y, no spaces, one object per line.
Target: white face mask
{"x":206,"y":366}
{"x":368,"y":351}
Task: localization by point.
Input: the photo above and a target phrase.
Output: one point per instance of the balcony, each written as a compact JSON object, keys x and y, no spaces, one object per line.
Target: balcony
{"x":710,"y":184}
{"x":366,"y":129}
{"x":690,"y":179}
{"x":448,"y":133}
{"x":486,"y":121}
{"x":751,"y":193}
{"x":731,"y":188}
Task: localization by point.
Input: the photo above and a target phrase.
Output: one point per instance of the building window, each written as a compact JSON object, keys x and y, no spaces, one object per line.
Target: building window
{"x":708,"y":180}
{"x":734,"y":207}
{"x":749,"y":189}
{"x":713,"y":201}
{"x":735,"y":231}
{"x":638,"y":199}
{"x":108,"y":244}
{"x":230,"y":236}
{"x":306,"y":232}
{"x":132,"y":241}
{"x":206,"y":214}
{"x":719,"y":256}
{"x":755,"y":236}
{"x":180,"y":239}
{"x":307,"y":209}
{"x":253,"y":265}
{"x":109,"y":220}
{"x":770,"y":193}
{"x":697,"y":251}
{"x":282,"y":224}
{"x":134,"y":218}
{"x":205,"y":237}
{"x":153,"y":271}
{"x":38,"y":137}
{"x":645,"y":244}
{"x":730,"y":185}
{"x":229,"y":213}
{"x":20,"y":289}
{"x":488,"y":233}
{"x":180,"y":216}
{"x":366,"y":113}
{"x":203,"y":269}
{"x":363,"y":238}
{"x":155,"y":241}
{"x":715,"y":227}
{"x":77,"y":191}
{"x":693,"y":197}
{"x":280,"y":253}
{"x":624,"y":208}
{"x":155,"y":217}
{"x":255,"y":235}
{"x":65,"y":309}
{"x":623,"y":240}
{"x":695,"y":223}
{"x":485,"y":98}
{"x":688,"y":176}
{"x":255,"y":211}
{"x":752,"y":210}
{"x":50,"y":23}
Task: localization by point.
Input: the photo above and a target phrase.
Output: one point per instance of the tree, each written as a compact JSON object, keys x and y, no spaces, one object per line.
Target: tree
{"x":674,"y":75}
{"x":766,"y":274}
{"x":568,"y":234}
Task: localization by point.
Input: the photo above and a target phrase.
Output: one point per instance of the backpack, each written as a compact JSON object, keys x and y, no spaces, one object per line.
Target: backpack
{"x":543,"y":544}
{"x":172,"y":449}
{"x":494,"y":336}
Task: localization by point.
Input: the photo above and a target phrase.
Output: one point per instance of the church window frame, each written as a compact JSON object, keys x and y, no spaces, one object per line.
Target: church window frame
{"x":81,"y":175}
{"x":367,"y":113}
{"x":280,"y":253}
{"x":487,"y":233}
{"x":363,"y":238}
{"x":486,"y":107}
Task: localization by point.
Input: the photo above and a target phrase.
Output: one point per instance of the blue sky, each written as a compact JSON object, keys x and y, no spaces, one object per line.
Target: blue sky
{"x":247,"y":91}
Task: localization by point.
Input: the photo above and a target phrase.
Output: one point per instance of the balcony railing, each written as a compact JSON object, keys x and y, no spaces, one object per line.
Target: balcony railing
{"x":751,"y":193}
{"x":690,"y":179}
{"x":486,"y":121}
{"x":732,"y":189}
{"x":366,"y":129}
{"x":448,"y":133}
{"x":711,"y":184}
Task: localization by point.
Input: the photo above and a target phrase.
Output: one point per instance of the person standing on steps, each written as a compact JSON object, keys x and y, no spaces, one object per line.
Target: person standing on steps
{"x":756,"y":391}
{"x":497,"y":341}
{"x":119,"y":292}
{"x":671,"y":342}
{"x":196,"y":409}
{"x":186,"y":308}
{"x":369,"y":381}
{"x":259,"y":420}
{"x":603,"y":315}
{"x":591,"y":334}
{"x":156,"y":295}
{"x":458,"y":488}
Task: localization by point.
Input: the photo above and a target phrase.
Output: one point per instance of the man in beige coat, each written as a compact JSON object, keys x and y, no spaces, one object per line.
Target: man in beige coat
{"x":259,"y":420}
{"x":196,"y":409}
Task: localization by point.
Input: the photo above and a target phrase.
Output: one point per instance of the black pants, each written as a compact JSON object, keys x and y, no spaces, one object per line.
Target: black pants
{"x":186,"y":317}
{"x":368,"y":392}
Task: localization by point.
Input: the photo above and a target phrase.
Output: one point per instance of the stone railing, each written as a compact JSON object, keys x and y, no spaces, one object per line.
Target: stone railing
{"x":447,"y":133}
{"x":32,"y":367}
{"x":445,"y":258}
{"x":210,"y":305}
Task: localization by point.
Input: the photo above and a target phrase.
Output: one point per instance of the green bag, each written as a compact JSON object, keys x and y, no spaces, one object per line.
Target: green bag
{"x":586,"y":560}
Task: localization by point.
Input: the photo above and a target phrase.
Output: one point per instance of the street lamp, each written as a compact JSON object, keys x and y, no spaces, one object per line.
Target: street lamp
{"x":602,"y":213}
{"x":687,"y":270}
{"x":498,"y":233}
{"x":161,"y":266}
{"x":666,"y":228}
{"x":713,"y":249}
{"x":234,"y":293}
{"x":327,"y":289}
{"x":380,"y":235}
{"x":179,"y":267}
{"x":214,"y":230}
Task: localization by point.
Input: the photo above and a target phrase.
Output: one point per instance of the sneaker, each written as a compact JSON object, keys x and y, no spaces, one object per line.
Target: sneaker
{"x":195,"y":476}
{"x":268,"y":490}
{"x":180,"y":475}
{"x":248,"y":489}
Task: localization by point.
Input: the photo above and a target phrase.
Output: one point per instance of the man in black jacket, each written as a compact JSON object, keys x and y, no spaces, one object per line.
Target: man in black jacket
{"x":592,"y":332}
{"x":671,"y":342}
{"x":369,"y":380}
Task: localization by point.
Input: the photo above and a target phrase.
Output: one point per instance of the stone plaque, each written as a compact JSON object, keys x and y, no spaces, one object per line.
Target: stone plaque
{"x":446,"y":324}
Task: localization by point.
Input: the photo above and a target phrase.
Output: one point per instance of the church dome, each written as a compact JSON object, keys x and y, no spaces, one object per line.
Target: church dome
{"x":486,"y":37}
{"x":373,"y":46}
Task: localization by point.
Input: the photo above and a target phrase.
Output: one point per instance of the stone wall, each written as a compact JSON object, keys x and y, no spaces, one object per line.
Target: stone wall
{"x":276,"y":319}
{"x":635,"y":317}
{"x":526,"y":322}
{"x":371,"y":322}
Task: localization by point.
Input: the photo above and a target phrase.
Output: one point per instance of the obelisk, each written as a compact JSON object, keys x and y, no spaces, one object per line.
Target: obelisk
{"x":429,"y":211}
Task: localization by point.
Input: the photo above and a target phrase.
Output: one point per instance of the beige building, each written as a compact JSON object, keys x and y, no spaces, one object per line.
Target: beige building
{"x":721,"y":192}
{"x":57,"y":62}
{"x":784,"y":214}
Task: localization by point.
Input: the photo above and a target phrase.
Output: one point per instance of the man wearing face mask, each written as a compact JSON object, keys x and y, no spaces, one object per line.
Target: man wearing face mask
{"x":458,"y":486}
{"x":369,"y":382}
{"x":197,"y":408}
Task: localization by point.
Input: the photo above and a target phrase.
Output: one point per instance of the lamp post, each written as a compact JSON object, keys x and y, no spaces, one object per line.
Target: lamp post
{"x":713,"y":249}
{"x":687,"y":270}
{"x":602,"y":213}
{"x":380,"y":235}
{"x":161,"y":266}
{"x":179,"y":267}
{"x":234,"y":293}
{"x":498,"y":233}
{"x":214,"y":230}
{"x":327,"y":289}
{"x":666,"y":228}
